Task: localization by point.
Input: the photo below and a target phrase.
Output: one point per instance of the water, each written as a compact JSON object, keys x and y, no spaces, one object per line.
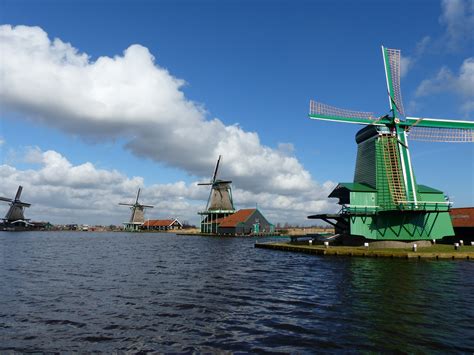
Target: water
{"x":161,"y":292}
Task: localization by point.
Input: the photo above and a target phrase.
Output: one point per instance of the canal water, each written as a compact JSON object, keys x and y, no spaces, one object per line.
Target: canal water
{"x":84,"y":291}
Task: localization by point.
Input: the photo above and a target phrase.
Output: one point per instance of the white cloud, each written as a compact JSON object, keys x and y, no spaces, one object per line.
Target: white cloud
{"x":286,"y":148}
{"x":457,"y":20}
{"x":408,"y":62}
{"x":422,"y":45}
{"x":447,"y":81}
{"x":130,"y":96}
{"x":405,"y":65}
{"x":442,"y":81}
{"x":458,"y":17}
{"x":61,"y":192}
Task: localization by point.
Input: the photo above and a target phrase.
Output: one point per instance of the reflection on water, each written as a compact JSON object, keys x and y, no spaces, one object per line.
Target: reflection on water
{"x":167,"y":293}
{"x":421,"y":301}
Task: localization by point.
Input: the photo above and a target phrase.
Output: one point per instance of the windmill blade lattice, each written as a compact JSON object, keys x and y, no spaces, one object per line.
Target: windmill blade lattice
{"x":394,"y":61}
{"x":435,"y":134}
{"x":320,"y":109}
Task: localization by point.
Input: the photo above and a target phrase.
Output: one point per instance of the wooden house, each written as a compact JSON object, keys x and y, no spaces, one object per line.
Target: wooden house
{"x":244,"y":222}
{"x":162,"y":224}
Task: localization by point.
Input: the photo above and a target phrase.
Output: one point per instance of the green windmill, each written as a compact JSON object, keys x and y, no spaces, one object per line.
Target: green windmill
{"x":385,"y":202}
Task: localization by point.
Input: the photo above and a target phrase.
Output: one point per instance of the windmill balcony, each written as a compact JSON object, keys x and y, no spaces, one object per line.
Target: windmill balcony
{"x":215,"y":211}
{"x":425,"y":206}
{"x":359,"y":210}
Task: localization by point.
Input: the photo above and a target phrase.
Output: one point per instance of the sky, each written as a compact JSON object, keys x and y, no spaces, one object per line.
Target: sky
{"x":99,"y":98}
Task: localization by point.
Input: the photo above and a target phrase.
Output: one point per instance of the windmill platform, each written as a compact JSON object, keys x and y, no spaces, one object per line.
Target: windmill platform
{"x":434,"y":252}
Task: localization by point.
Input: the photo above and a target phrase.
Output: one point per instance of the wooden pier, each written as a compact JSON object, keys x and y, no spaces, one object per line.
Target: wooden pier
{"x":438,"y":251}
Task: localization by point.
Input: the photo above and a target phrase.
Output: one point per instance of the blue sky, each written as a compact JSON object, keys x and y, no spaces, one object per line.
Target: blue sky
{"x":254,"y":64}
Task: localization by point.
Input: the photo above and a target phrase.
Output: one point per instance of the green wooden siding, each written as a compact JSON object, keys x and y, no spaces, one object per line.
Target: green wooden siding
{"x":361,"y":200}
{"x":402,"y":226}
{"x":365,"y":171}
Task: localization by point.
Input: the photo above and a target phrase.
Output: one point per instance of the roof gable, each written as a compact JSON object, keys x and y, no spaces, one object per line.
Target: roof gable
{"x":426,"y":189}
{"x":160,"y":222}
{"x":350,"y":186}
{"x":238,"y":217}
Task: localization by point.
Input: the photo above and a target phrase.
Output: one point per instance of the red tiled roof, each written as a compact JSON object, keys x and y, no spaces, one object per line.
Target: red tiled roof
{"x":462,"y":217}
{"x":158,"y":222}
{"x":238,"y":217}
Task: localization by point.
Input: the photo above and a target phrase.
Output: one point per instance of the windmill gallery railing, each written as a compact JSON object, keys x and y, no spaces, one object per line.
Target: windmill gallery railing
{"x":421,"y":206}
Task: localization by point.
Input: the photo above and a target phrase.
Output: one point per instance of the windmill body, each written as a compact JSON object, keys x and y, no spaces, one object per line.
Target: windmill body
{"x":221,"y":197}
{"x":219,"y":204}
{"x":137,"y":217}
{"x":15,"y":218}
{"x":384,"y":201}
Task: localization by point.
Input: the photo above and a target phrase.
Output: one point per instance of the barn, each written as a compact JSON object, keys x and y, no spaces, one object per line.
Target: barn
{"x":463,"y":224}
{"x":244,"y":222}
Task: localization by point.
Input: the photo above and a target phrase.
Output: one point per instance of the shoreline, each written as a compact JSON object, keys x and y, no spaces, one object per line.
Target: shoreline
{"x":436,"y":252}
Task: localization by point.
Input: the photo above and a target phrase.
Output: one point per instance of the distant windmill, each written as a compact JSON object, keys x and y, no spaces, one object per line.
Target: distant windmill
{"x":15,"y":216}
{"x":138,"y":214}
{"x":219,"y":203}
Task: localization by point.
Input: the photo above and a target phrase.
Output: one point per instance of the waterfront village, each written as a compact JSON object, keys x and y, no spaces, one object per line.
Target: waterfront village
{"x":219,"y":217}
{"x":382,"y":204}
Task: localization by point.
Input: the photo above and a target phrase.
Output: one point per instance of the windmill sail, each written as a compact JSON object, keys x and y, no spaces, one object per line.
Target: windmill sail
{"x":434,"y":134}
{"x":214,"y":176}
{"x":392,"y":62}
{"x":318,"y":110}
{"x":18,"y":193}
{"x":439,"y":130}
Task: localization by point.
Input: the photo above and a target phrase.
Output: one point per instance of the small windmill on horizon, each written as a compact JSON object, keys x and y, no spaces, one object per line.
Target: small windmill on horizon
{"x":15,"y":217}
{"x":385,"y":202}
{"x":219,"y":203}
{"x":138,"y":214}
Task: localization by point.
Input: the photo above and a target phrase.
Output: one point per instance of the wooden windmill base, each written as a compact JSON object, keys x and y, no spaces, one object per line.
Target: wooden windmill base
{"x":392,"y":225}
{"x":209,"y":221}
{"x":427,"y":219}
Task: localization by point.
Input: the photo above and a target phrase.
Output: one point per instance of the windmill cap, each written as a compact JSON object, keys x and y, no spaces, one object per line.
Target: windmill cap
{"x":369,"y":132}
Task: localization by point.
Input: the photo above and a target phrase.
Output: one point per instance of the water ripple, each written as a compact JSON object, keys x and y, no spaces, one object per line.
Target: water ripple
{"x":155,"y":293}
